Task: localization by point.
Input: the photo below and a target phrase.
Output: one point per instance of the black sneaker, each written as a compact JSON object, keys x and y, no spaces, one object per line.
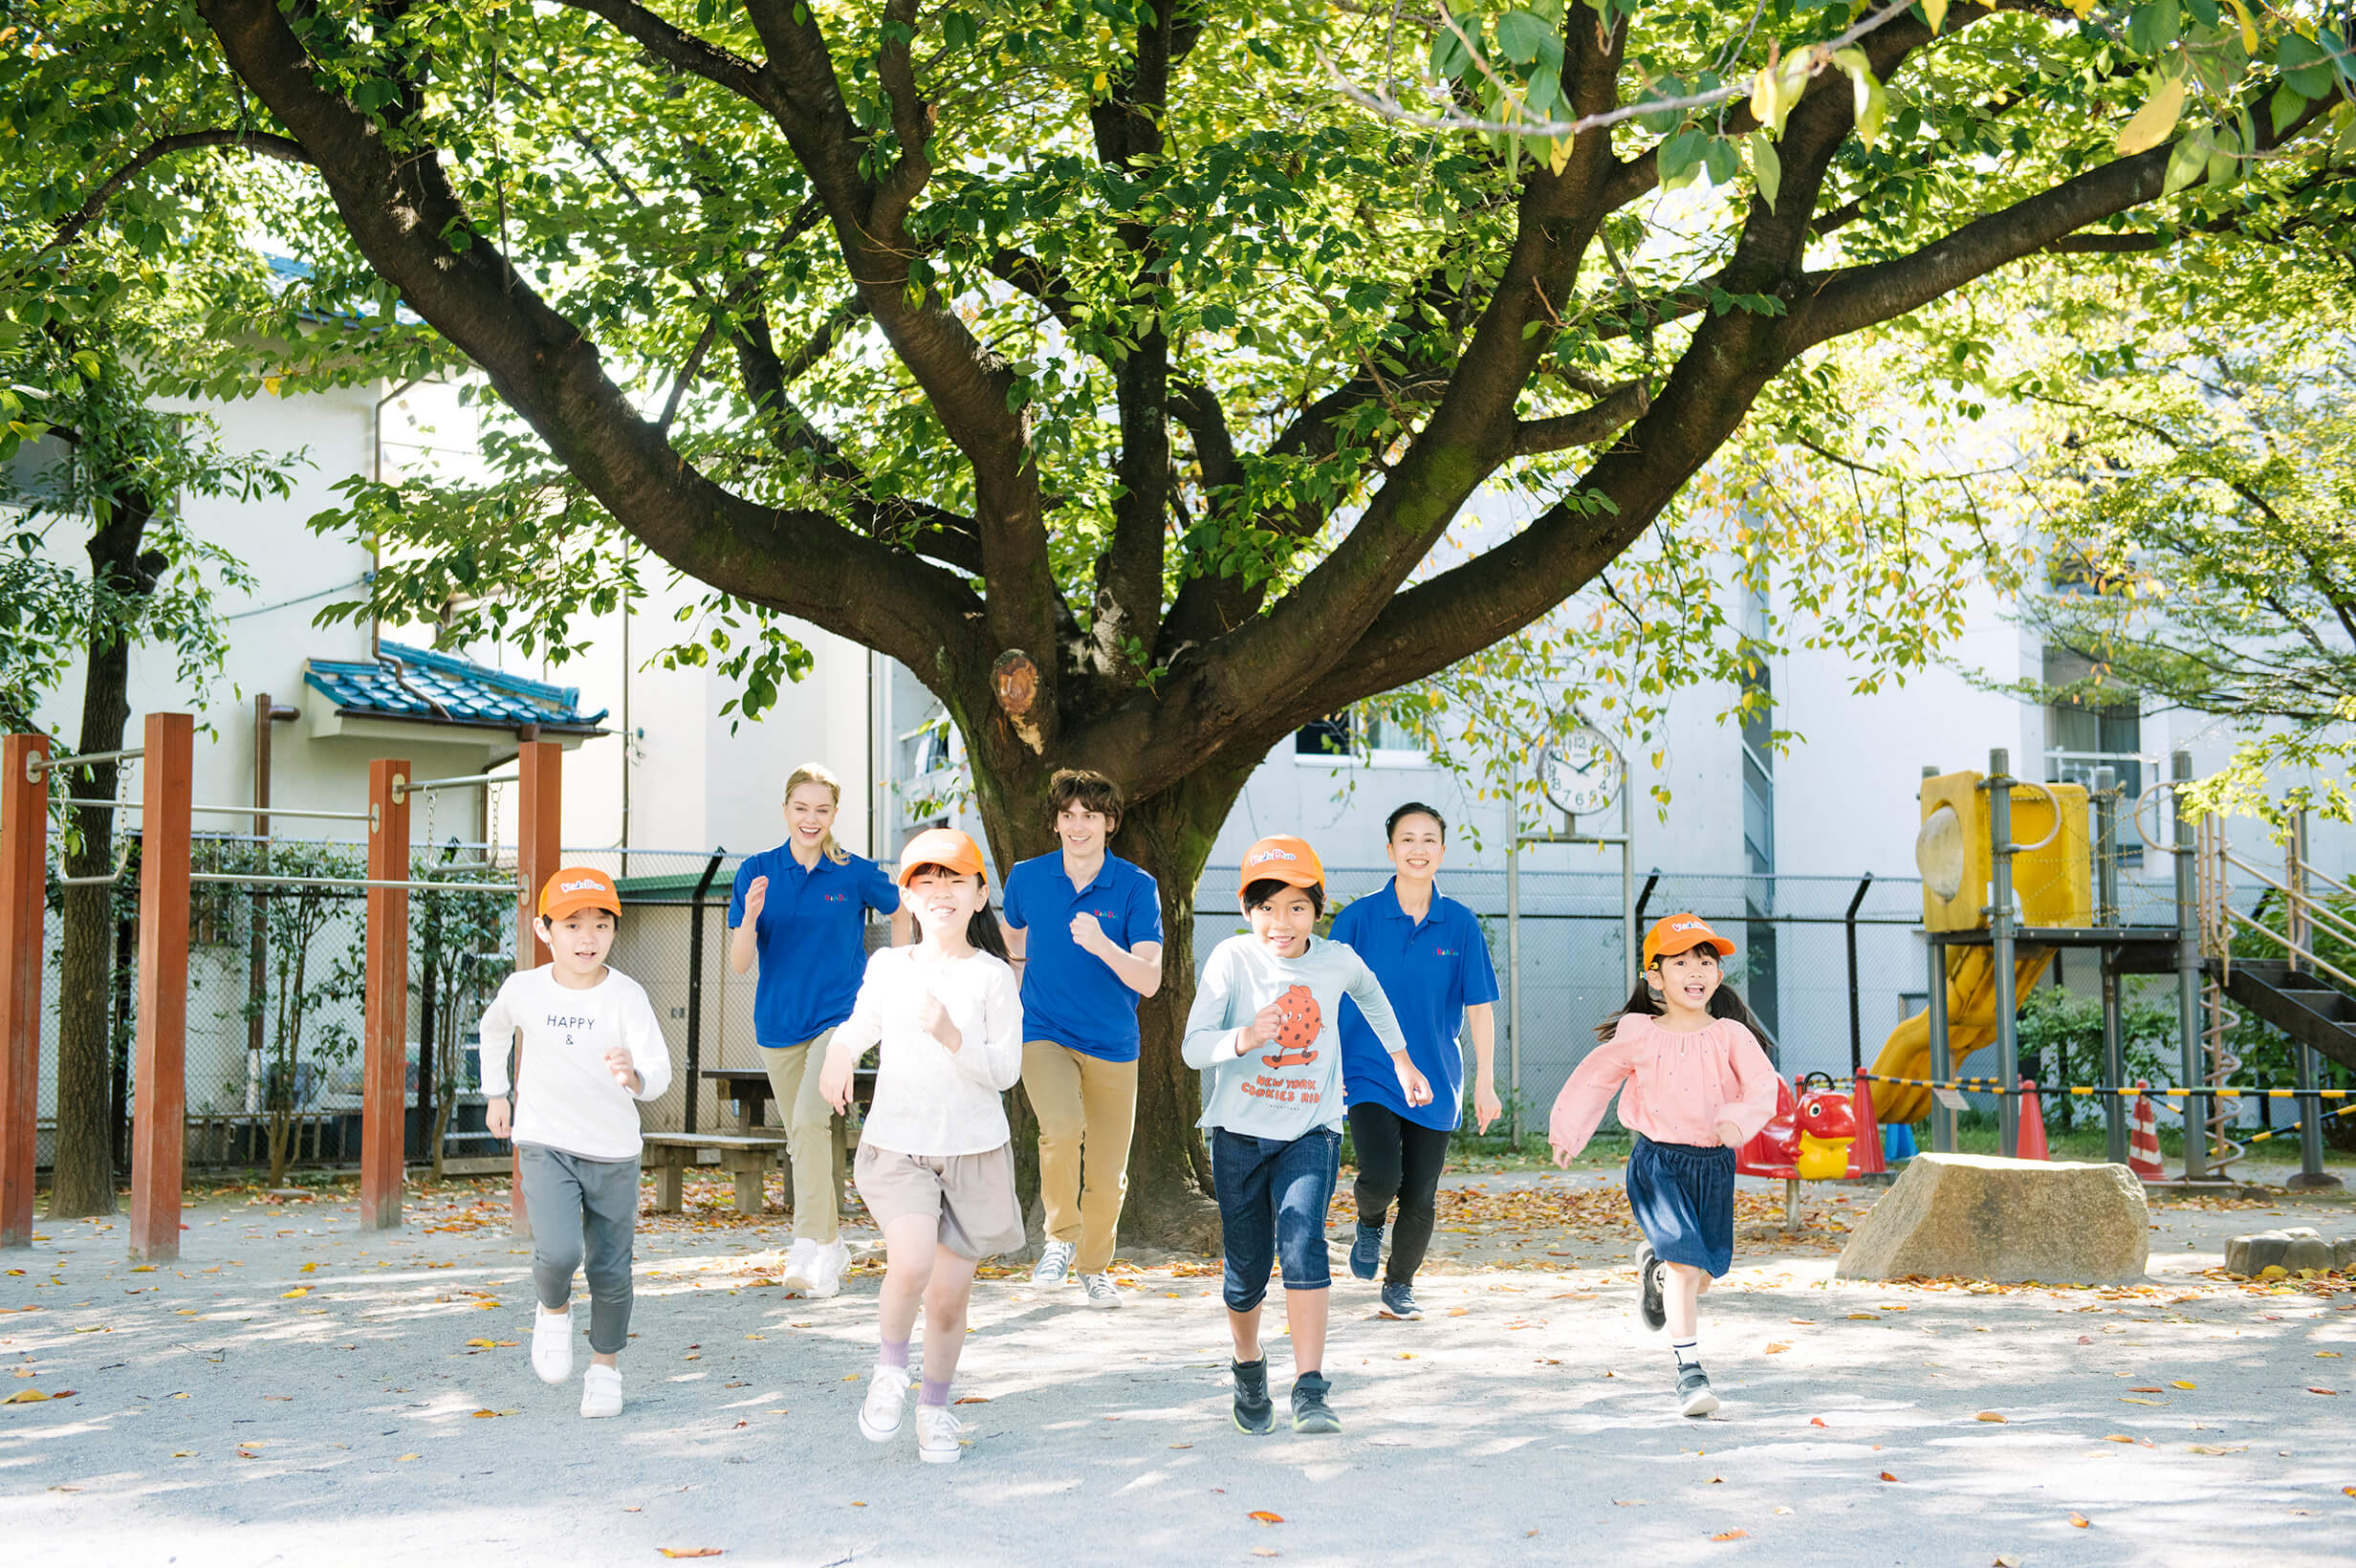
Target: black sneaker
{"x":1367,"y":1251}
{"x":1694,"y":1395}
{"x":1255,"y":1413}
{"x":1399,"y":1302}
{"x":1649,"y":1286}
{"x":1310,"y":1411}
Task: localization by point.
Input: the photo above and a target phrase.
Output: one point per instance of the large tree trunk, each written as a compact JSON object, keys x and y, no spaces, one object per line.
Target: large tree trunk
{"x":83,"y":1179}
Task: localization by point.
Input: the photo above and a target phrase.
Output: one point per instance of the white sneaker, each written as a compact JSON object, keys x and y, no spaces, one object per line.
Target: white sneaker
{"x":823,"y":1274}
{"x":936,"y":1434}
{"x":887,"y":1389}
{"x":794,"y":1273}
{"x":1100,"y":1290}
{"x":1055,"y":1264}
{"x":601,"y":1391}
{"x":552,"y":1344}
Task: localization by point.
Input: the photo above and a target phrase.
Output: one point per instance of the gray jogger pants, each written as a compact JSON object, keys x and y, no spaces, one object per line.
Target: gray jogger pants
{"x":584,"y":1212}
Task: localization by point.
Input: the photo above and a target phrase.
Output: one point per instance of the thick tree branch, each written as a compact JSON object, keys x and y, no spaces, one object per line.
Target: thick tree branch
{"x":70,"y":228}
{"x":1590,"y":424}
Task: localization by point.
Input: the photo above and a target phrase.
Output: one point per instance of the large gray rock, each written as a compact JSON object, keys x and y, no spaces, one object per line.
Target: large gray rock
{"x":1976,"y":1216}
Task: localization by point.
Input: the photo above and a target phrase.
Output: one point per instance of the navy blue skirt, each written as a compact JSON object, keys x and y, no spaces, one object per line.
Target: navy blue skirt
{"x":1684,"y":1199}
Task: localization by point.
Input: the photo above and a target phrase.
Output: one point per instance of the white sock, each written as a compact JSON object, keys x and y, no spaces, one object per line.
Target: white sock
{"x":1687,"y":1351}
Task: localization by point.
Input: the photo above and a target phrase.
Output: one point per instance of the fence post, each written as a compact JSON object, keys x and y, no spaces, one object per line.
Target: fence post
{"x":539,"y":811}
{"x":24,"y":833}
{"x":1848,"y":919}
{"x":159,"y":1089}
{"x":384,"y":1045}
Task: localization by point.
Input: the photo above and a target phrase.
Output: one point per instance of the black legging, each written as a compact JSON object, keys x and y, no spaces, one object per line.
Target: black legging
{"x":1398,"y":1159}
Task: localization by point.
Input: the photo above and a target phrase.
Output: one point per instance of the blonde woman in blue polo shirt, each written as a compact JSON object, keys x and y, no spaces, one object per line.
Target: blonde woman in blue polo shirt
{"x":1432,"y":959}
{"x":800,"y":911}
{"x":1085,"y":929}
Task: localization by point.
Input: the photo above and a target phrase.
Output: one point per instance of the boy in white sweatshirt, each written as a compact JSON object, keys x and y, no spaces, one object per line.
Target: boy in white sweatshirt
{"x":591,"y":1051}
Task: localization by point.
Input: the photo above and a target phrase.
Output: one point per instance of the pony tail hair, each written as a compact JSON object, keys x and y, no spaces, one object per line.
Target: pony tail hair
{"x":1727,"y":1003}
{"x":1644,"y":1005}
{"x":982,"y":930}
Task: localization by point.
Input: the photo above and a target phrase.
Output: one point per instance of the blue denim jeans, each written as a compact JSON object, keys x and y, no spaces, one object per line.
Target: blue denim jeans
{"x":1273,"y":1194}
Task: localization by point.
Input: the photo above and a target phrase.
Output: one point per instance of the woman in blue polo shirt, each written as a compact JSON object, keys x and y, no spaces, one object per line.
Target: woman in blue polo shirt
{"x":801,"y":911}
{"x":1433,"y":962}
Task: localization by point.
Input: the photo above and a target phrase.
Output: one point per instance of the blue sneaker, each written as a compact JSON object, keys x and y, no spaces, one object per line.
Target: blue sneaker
{"x":1366,"y":1252}
{"x":1399,"y":1302}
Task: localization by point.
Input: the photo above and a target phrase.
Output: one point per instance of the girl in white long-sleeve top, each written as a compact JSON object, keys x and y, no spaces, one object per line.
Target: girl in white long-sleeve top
{"x":935,"y":1164}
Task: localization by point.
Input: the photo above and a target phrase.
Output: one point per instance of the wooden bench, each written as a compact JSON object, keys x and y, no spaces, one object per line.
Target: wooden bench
{"x":747,"y":1157}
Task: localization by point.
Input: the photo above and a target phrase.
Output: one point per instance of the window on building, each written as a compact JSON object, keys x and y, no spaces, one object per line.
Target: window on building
{"x":1358,"y":734}
{"x":40,"y":473}
{"x":1326,"y":737}
{"x":2102,"y":726}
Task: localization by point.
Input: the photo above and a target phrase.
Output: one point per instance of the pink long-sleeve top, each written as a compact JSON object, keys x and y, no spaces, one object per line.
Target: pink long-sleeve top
{"x":1677,"y":1087}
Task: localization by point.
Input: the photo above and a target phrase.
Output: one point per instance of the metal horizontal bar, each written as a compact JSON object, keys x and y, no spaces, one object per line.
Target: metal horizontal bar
{"x":2339,"y":975}
{"x":509,"y":889}
{"x":473,"y":779}
{"x":281,"y":811}
{"x":101,"y":805}
{"x":35,"y":767}
{"x":107,"y":880}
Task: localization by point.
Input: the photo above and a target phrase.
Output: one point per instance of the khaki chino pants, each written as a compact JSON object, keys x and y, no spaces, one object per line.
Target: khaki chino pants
{"x":793,"y":1074}
{"x":1087,"y":1109}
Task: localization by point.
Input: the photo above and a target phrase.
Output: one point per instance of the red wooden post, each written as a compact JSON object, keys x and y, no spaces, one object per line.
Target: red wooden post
{"x":159,"y":1094}
{"x":384,"y":1049}
{"x":24,"y":824}
{"x":539,"y":767}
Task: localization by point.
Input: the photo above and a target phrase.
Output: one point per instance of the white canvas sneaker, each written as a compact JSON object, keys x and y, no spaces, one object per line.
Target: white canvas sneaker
{"x":887,"y":1390}
{"x":824,"y":1276}
{"x":1100,"y":1290}
{"x":1055,"y":1264}
{"x":552,"y":1344}
{"x":794,"y":1275}
{"x":601,"y":1391}
{"x":936,"y":1434}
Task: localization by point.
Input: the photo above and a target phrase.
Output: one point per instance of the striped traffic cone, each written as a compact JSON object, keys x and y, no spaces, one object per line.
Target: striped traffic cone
{"x":2143,"y":1143}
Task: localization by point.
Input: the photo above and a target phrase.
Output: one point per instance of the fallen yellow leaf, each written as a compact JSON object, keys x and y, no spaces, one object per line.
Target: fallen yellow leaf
{"x":2080,"y":1521}
{"x":1886,"y":1476}
{"x":1990,"y":1415}
{"x":688,"y":1551}
{"x":300,"y":1290}
{"x":1266,"y":1517}
{"x":2184,"y":1383}
{"x":2117,"y":1437}
{"x":24,"y":1396}
{"x":1730,"y":1535}
{"x":1778,"y":1347}
{"x":406,"y":1457}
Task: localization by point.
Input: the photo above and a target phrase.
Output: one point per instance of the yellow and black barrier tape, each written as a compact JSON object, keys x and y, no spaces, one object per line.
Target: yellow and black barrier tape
{"x":2293,"y":1132}
{"x":1994,"y":1086}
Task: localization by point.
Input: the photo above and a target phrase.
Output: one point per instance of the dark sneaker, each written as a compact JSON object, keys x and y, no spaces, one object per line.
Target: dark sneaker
{"x":1366,"y":1252}
{"x":1255,"y":1413}
{"x":1399,"y":1302}
{"x":1694,"y":1395}
{"x":1649,"y":1286}
{"x":1310,"y":1411}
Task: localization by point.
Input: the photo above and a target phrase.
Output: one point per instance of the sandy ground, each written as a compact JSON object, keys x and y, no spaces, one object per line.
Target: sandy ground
{"x":295,"y":1390}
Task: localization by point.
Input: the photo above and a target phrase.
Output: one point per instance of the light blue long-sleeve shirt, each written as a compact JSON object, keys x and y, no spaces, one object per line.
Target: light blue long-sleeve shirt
{"x":1293,"y":1083}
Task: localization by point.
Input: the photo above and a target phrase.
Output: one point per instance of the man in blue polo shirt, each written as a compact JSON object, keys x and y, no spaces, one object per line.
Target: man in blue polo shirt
{"x":1085,"y":930}
{"x":1433,"y":962}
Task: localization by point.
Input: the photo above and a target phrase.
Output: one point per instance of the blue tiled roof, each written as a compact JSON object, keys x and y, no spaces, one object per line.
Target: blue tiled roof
{"x":404,"y":683}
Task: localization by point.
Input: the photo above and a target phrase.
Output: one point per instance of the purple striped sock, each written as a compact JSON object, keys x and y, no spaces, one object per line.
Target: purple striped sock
{"x":894,"y":1353}
{"x":934,"y":1393}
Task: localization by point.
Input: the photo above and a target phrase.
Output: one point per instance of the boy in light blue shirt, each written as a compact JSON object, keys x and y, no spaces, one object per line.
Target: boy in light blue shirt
{"x":1263,"y":1022}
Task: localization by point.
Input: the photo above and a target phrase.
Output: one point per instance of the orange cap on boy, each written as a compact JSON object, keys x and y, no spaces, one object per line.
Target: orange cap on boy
{"x":1283,"y":859}
{"x":575,"y":888}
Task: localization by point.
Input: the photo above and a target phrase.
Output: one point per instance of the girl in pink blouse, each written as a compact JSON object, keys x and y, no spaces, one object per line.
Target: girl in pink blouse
{"x":1684,"y":1056}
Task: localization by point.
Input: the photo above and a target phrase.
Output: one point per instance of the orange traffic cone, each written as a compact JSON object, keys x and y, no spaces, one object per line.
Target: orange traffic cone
{"x":2143,"y":1143}
{"x":2032,"y":1124}
{"x":1865,"y":1153}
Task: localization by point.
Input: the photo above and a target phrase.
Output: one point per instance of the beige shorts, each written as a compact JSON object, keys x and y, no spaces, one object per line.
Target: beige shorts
{"x":973,"y":1195}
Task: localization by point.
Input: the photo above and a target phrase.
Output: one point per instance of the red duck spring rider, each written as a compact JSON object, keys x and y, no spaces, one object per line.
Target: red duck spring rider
{"x":1818,"y":1133}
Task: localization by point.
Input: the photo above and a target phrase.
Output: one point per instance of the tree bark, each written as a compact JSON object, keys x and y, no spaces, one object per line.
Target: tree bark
{"x":82,"y":1181}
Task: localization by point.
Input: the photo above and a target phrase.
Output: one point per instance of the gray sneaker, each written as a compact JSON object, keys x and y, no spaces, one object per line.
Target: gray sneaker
{"x":1694,"y":1395}
{"x":1648,"y":1302}
{"x":1310,"y":1411}
{"x":1399,"y":1302}
{"x":1055,"y":1264}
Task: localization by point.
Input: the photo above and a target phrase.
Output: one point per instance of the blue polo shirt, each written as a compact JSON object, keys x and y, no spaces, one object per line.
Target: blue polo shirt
{"x":1069,"y":996}
{"x":812,"y":937}
{"x":1431,"y":969}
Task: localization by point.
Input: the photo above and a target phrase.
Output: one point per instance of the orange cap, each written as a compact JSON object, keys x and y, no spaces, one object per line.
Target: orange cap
{"x":575,"y":888}
{"x":941,"y":846}
{"x":1682,"y":933}
{"x":1283,"y":859}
